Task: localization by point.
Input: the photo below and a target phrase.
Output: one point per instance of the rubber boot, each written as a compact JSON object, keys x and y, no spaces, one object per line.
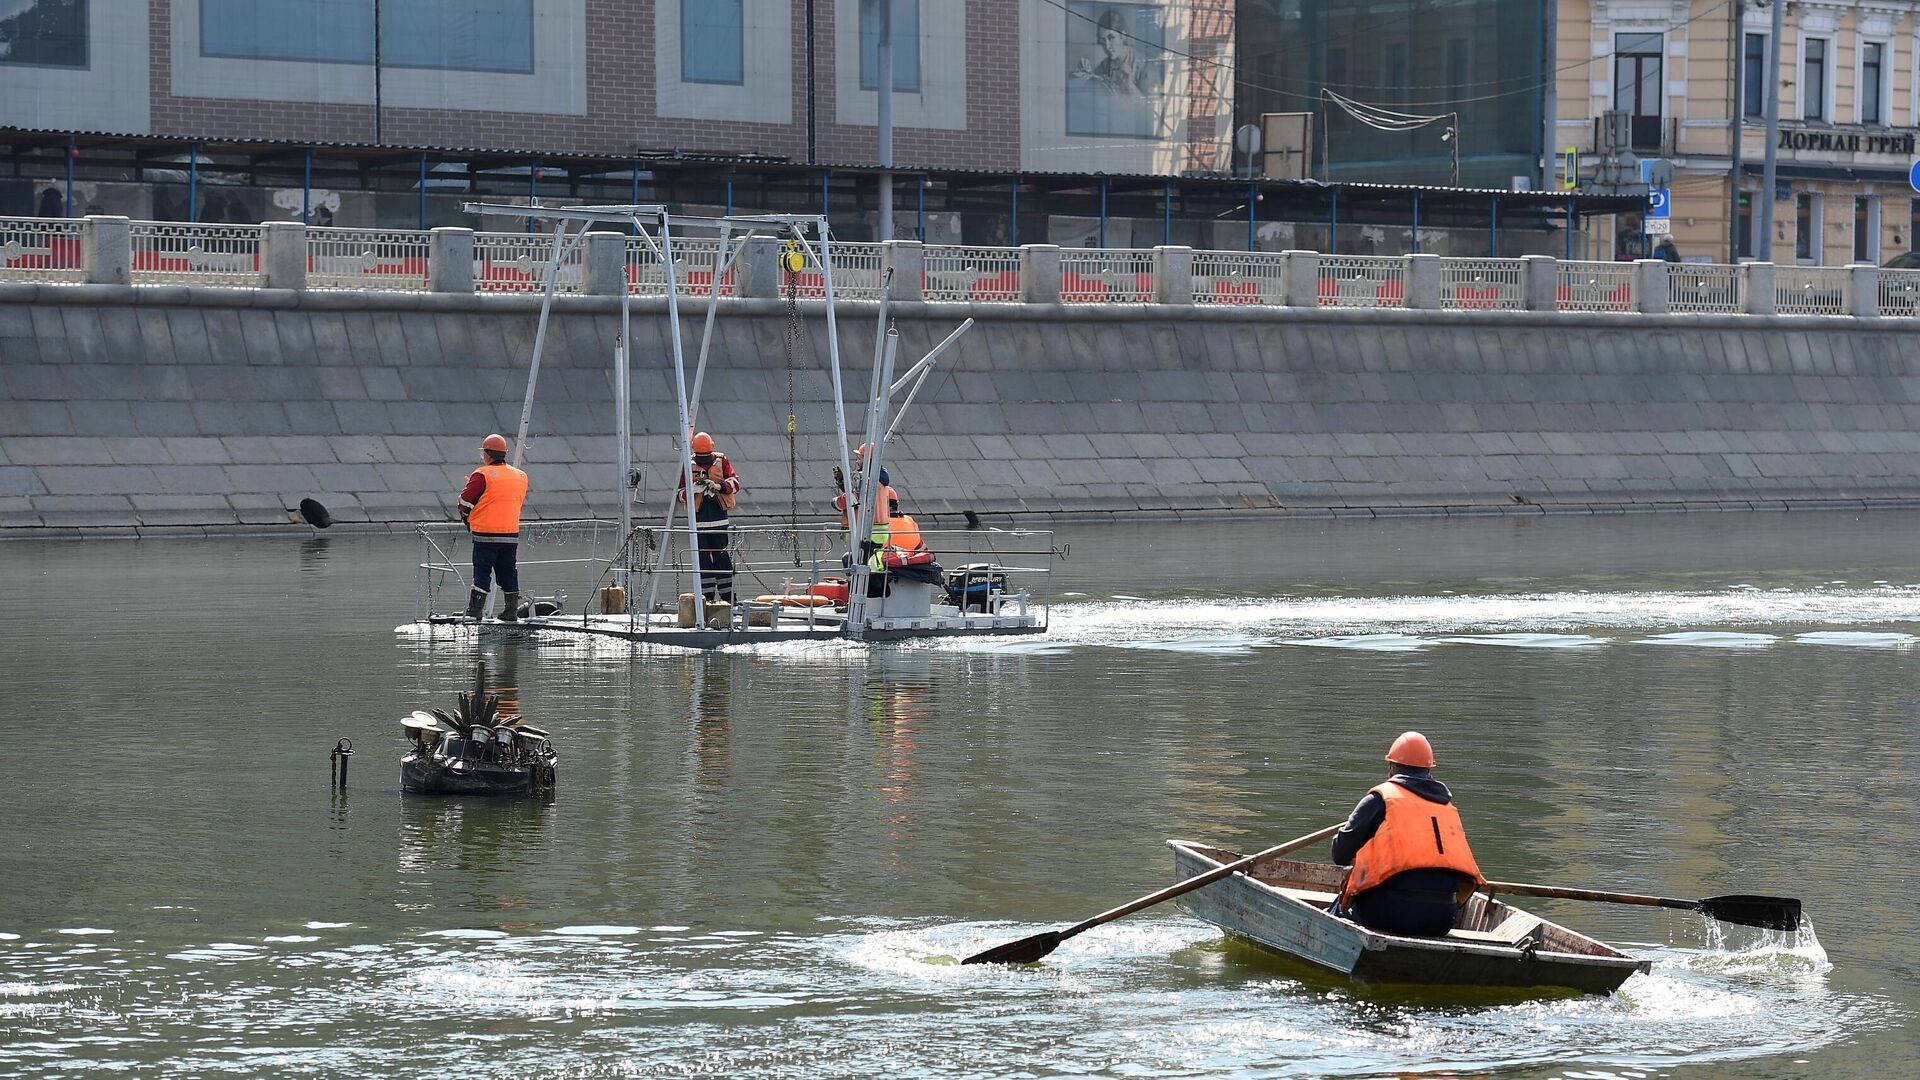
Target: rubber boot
{"x":476,"y":604}
{"x":510,"y":611}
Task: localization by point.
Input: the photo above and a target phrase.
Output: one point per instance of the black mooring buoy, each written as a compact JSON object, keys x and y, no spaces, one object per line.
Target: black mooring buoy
{"x":342,"y":750}
{"x":314,"y":514}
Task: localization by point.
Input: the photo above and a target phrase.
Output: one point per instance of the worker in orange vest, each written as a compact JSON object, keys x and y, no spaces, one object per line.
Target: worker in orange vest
{"x":490,"y":505}
{"x":1411,"y":867}
{"x":715,"y":488}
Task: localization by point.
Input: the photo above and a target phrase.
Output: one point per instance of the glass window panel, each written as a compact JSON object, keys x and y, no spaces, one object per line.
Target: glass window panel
{"x":906,"y":45}
{"x":711,"y":42}
{"x":1456,"y":69}
{"x":1803,"y":226}
{"x":1814,"y":80}
{"x":1337,"y":80}
{"x":1396,"y":65}
{"x":454,"y":35}
{"x":45,"y":33}
{"x":1871,"y":63}
{"x":1862,"y":231}
{"x":1753,"y":76}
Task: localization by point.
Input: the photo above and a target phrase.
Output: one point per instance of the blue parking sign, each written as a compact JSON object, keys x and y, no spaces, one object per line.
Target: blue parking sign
{"x":1659,"y":202}
{"x":1913,"y":176}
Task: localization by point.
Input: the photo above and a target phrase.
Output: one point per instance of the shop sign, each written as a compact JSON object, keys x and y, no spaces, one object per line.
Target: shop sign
{"x":1850,"y":142}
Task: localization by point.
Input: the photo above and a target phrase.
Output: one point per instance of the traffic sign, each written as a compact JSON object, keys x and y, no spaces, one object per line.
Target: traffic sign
{"x":1913,"y":176}
{"x":1659,"y":226}
{"x":1659,"y":204}
{"x":1657,"y":174}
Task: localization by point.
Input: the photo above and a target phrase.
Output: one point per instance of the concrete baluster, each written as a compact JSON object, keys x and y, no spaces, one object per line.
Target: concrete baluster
{"x":606,"y":263}
{"x":450,"y":260}
{"x":283,"y":255}
{"x":1423,"y":282}
{"x":1759,"y":287}
{"x":106,"y":250}
{"x":1172,"y":275}
{"x":907,"y":260}
{"x":757,"y":273}
{"x":1302,"y":275}
{"x":1863,"y":290}
{"x":1540,"y":282}
{"x":1650,"y":286}
{"x":1040,"y":273}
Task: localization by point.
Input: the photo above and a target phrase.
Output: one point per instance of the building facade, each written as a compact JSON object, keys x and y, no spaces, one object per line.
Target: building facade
{"x":1690,"y":73}
{"x":1136,"y":87}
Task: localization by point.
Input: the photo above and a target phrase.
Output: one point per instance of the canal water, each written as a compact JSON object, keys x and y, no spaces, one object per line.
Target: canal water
{"x":765,"y":862}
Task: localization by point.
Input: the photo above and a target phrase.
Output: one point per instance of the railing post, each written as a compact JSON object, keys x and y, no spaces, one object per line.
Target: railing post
{"x":756,"y":274}
{"x":1423,"y":282}
{"x":283,"y":255}
{"x":450,"y":260}
{"x":1759,"y":285}
{"x":1540,"y":282}
{"x":1040,"y":274}
{"x":1650,"y":286}
{"x":106,"y":250}
{"x":907,"y":259}
{"x":1172,"y":275}
{"x":606,"y":263}
{"x":1863,"y":290}
{"x":1302,"y":276}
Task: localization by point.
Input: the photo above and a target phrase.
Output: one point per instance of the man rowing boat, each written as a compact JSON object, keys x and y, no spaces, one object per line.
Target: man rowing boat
{"x":1411,"y":866}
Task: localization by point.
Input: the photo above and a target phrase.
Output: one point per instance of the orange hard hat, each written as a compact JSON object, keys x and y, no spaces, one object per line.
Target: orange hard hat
{"x":865,"y":449}
{"x":702,"y":443}
{"x":1412,"y":748}
{"x":496,"y":443}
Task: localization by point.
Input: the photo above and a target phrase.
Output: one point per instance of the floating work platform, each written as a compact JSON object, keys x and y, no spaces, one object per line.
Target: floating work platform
{"x":661,"y":630}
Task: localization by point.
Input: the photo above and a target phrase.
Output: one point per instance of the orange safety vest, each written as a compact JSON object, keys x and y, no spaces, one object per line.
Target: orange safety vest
{"x":1416,"y":835}
{"x":496,"y":516}
{"x":884,"y":498}
{"x":906,"y":534}
{"x":716,"y":472}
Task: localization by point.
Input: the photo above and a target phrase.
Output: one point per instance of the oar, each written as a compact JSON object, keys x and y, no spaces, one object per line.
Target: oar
{"x":1029,"y":949}
{"x":1771,"y":912}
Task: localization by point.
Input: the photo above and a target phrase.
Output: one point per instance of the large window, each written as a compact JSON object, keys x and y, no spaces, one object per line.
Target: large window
{"x":47,"y":33}
{"x":712,"y":48}
{"x":1637,"y":86}
{"x":447,"y":35}
{"x":1873,"y":82}
{"x":1456,"y":68}
{"x":1753,"y":76}
{"x":906,"y":45}
{"x":1813,"y":79}
{"x":1806,"y":224}
{"x":1393,"y":61}
{"x":1866,"y":230}
{"x":1744,"y":226}
{"x":1336,"y":80}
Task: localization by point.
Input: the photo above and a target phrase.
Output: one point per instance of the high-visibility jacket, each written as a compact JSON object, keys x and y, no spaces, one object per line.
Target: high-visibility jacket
{"x":1416,"y":835}
{"x":495,"y":517}
{"x":906,"y":534}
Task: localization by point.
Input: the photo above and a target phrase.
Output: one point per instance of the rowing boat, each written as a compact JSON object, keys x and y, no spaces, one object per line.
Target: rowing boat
{"x":1282,"y":906}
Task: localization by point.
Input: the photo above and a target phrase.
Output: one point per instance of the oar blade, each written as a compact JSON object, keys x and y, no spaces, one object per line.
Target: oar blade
{"x":1027,"y":950}
{"x":1769,"y":912}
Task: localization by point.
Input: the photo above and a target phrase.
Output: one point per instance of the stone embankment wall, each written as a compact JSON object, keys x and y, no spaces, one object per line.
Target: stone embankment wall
{"x":161,"y":409}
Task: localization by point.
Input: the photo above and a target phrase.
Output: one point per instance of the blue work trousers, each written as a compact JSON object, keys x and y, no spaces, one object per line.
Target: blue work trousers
{"x":490,"y":559}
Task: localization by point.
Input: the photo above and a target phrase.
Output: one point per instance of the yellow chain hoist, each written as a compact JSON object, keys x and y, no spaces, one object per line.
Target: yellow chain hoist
{"x":792,"y":259}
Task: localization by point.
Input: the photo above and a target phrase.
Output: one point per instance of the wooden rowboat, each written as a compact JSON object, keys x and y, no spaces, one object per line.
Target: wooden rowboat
{"x":1281,"y":905}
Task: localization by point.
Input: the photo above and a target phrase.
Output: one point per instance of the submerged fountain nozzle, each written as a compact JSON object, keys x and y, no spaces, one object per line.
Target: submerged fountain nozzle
{"x":337,"y":763}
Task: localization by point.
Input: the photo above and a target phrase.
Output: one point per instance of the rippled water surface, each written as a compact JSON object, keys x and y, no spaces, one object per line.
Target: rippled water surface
{"x":765,"y":862}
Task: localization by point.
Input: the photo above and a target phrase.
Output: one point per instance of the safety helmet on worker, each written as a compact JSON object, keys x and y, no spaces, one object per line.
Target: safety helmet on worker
{"x":496,"y":443}
{"x":1413,"y":750}
{"x":702,"y":443}
{"x":861,"y":454}
{"x":885,"y":480}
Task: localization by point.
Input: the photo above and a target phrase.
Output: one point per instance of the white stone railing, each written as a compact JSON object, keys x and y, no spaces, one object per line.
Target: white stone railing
{"x":288,"y":255}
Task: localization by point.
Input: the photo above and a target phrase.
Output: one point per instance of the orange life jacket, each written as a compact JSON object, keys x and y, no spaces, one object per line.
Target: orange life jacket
{"x":496,"y":516}
{"x":906,"y":534}
{"x":884,"y":497}
{"x":1415,"y":835}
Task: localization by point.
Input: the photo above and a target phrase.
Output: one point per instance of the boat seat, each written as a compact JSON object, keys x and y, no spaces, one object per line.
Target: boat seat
{"x":1321,"y":900}
{"x":1507,"y":933}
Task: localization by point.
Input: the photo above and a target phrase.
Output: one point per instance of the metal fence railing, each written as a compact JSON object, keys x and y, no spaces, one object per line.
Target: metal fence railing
{"x":169,"y":253}
{"x":374,"y":259}
{"x":1707,"y":289}
{"x":1594,"y":286}
{"x":517,"y":262}
{"x":1239,"y":277}
{"x":1810,"y":290}
{"x":857,"y":272}
{"x":971,"y":273}
{"x":1482,"y":284}
{"x":1106,"y":276}
{"x":1900,"y":292}
{"x":692,"y":267}
{"x":40,"y":249}
{"x":1364,"y":281}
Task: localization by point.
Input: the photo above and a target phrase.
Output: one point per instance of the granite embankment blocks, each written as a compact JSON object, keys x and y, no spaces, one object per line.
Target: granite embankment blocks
{"x":160,"y":408}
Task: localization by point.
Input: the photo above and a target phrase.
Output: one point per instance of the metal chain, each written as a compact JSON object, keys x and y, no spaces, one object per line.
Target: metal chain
{"x":793,"y":451}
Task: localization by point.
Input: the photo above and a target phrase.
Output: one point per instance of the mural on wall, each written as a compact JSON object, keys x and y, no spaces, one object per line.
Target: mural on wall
{"x":47,"y":33}
{"x":1116,"y":69}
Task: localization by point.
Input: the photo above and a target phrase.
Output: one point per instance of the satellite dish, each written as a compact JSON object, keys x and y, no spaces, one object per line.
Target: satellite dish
{"x":1247,"y":139}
